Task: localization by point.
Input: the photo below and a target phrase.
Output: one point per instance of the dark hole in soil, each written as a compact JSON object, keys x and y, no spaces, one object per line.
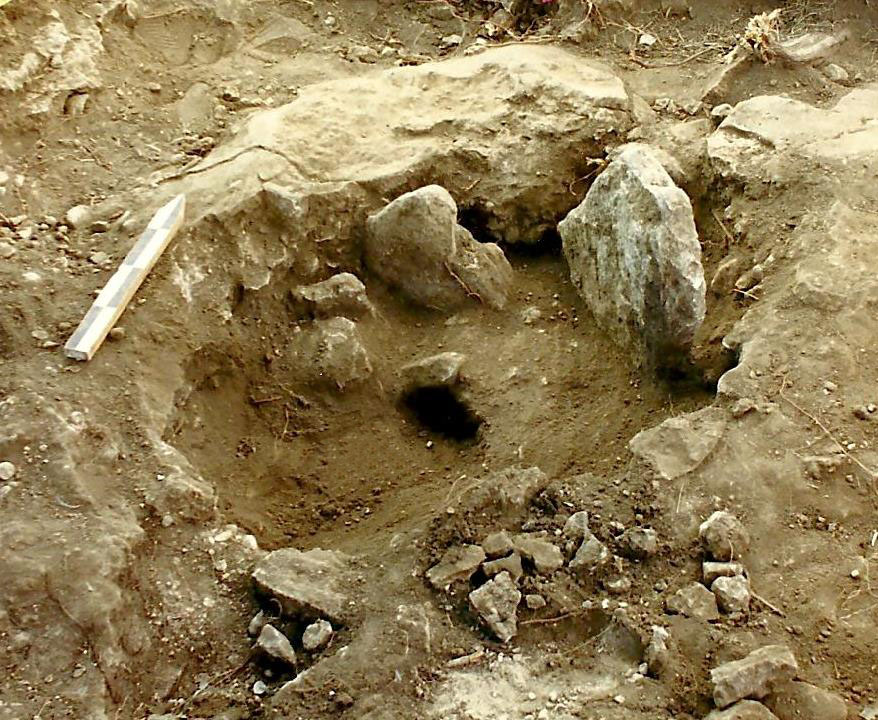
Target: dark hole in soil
{"x":440,"y":409}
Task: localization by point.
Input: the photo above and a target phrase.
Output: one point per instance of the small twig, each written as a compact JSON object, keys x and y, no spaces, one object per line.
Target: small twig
{"x":745,"y":293}
{"x":653,"y":66}
{"x":549,"y":620}
{"x":262,"y":401}
{"x":472,"y":185}
{"x":730,"y":239}
{"x":469,"y":291}
{"x":767,"y":604}
{"x":465,"y":660}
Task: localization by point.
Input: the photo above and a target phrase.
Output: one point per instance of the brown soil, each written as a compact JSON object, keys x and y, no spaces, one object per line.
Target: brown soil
{"x":112,"y":608}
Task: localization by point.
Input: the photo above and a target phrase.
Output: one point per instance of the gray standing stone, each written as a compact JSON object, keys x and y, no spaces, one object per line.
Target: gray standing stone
{"x":754,"y":676}
{"x":497,"y":603}
{"x":442,"y":370}
{"x":273,"y":643}
{"x":744,"y":710}
{"x":307,"y":584}
{"x":458,"y":563}
{"x":803,"y":701}
{"x":342,"y":294}
{"x":723,"y":536}
{"x":415,"y":244}
{"x":635,"y":258}
{"x":732,"y":593}
{"x":316,"y":635}
{"x":694,"y":601}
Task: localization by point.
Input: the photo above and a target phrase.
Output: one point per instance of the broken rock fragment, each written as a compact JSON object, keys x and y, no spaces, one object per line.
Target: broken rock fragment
{"x":656,"y":654}
{"x":510,"y":564}
{"x":415,"y":245}
{"x":331,"y":352}
{"x":275,"y":645}
{"x":723,"y":536}
{"x":308,"y":584}
{"x":713,"y":570}
{"x":341,"y":295}
{"x":694,"y":601}
{"x":640,"y":543}
{"x":316,"y":635}
{"x":754,"y":676}
{"x":732,"y":593}
{"x":592,"y":554}
{"x":458,"y":563}
{"x":497,"y":602}
{"x":635,"y":258}
{"x":442,"y":370}
{"x":744,"y":710}
{"x":576,"y":527}
{"x":801,"y":701}
{"x":545,"y":556}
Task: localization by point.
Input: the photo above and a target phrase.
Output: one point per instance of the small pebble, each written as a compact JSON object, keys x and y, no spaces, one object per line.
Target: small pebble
{"x":7,"y":470}
{"x":259,"y":688}
{"x":117,"y":333}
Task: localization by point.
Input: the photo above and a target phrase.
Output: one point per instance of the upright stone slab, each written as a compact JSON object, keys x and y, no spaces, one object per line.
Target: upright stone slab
{"x":635,"y":258}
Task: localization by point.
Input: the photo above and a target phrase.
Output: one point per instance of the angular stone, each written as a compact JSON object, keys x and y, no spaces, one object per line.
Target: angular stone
{"x":308,"y":584}
{"x":640,"y":543}
{"x":534,"y":602}
{"x":274,"y":644}
{"x":592,"y":554}
{"x":680,"y":444}
{"x":744,"y":710}
{"x":635,"y":258}
{"x":576,"y":527}
{"x":723,"y":536}
{"x":803,"y":701}
{"x":509,"y":490}
{"x":732,"y":593}
{"x":331,"y":352}
{"x":755,"y":676}
{"x":342,"y":295}
{"x":257,"y":622}
{"x":713,"y":570}
{"x":316,"y":635}
{"x":458,"y":563}
{"x":497,"y":603}
{"x":498,"y":544}
{"x":694,"y":601}
{"x":442,"y":370}
{"x":510,"y":564}
{"x":545,"y":556}
{"x":415,"y":245}
{"x":656,"y":654}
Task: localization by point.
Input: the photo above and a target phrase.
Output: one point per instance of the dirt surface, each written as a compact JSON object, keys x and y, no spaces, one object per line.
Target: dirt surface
{"x":149,"y":482}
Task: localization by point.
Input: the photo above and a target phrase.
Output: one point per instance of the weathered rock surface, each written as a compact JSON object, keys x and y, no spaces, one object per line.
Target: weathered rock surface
{"x":511,"y":564}
{"x":497,"y":602}
{"x":754,"y":676}
{"x":640,"y":543}
{"x":657,"y":655}
{"x":744,"y":710}
{"x":545,"y":556}
{"x":498,"y":544}
{"x":458,"y":563}
{"x":442,"y":370}
{"x":576,"y":527}
{"x":509,"y":490}
{"x":680,"y":444}
{"x":713,"y":570}
{"x":415,"y":245}
{"x":803,"y":701}
{"x":341,"y":295}
{"x":732,"y":593}
{"x":331,"y":352}
{"x":635,"y":258}
{"x":275,"y":645}
{"x":308,"y":584}
{"x":316,"y":635}
{"x":723,"y":536}
{"x":592,"y":554}
{"x":694,"y":601}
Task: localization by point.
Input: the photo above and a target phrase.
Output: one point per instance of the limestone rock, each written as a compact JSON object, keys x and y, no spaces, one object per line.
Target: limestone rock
{"x":275,"y":645}
{"x":732,"y":593}
{"x":694,"y":601}
{"x":744,"y":710}
{"x":331,"y":352}
{"x":635,"y":258}
{"x":442,"y":370}
{"x":316,"y":635}
{"x":545,"y":556}
{"x":497,"y":603}
{"x":755,"y":676}
{"x":257,"y":623}
{"x":640,"y":543}
{"x":668,"y":161}
{"x":458,"y":563}
{"x":592,"y":554}
{"x":802,"y":701}
{"x":498,"y":544}
{"x":680,"y":444}
{"x":341,"y":295}
{"x":183,"y":495}
{"x":656,"y":654}
{"x":576,"y":527}
{"x":415,"y":245}
{"x":509,"y":490}
{"x":308,"y":584}
{"x":534,"y":602}
{"x":713,"y":570}
{"x":723,"y":536}
{"x":511,"y":564}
